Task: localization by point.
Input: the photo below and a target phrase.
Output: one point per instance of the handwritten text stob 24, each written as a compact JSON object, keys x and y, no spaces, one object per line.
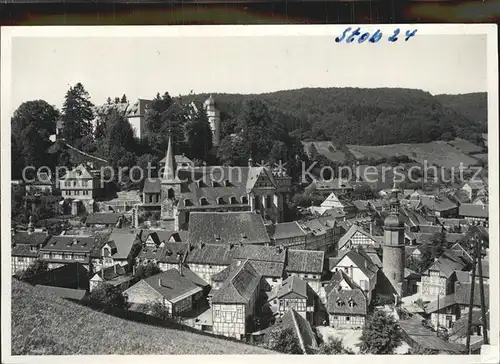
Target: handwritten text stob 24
{"x":350,"y":36}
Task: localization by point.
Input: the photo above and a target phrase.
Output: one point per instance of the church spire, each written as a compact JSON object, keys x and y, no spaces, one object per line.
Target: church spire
{"x":394,"y":201}
{"x":169,"y":169}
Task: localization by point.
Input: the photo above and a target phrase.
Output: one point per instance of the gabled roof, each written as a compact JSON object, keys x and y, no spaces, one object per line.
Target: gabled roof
{"x":364,"y":263}
{"x":292,"y":284}
{"x":350,"y":233}
{"x":123,"y":241}
{"x":172,"y":285}
{"x":447,"y":264}
{"x":227,"y":227}
{"x":305,"y":261}
{"x":313,"y":226}
{"x":361,"y":205}
{"x":473,"y":210}
{"x":240,"y":286}
{"x":79,"y":172}
{"x":339,"y":301}
{"x":300,"y":326}
{"x":159,"y":236}
{"x":108,"y":218}
{"x":337,"y":278}
{"x":166,"y":254}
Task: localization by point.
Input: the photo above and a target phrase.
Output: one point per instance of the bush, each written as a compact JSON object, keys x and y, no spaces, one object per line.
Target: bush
{"x":109,"y":295}
{"x":334,"y":346}
{"x":33,"y":269}
{"x":285,"y":341}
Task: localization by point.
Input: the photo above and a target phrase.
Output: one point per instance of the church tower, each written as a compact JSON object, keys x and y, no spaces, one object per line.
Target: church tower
{"x":214,"y":119}
{"x":393,"y":262}
{"x":170,"y":190}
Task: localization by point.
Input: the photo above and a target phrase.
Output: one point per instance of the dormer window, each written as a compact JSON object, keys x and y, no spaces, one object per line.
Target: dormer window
{"x":188,"y":202}
{"x":340,"y":303}
{"x":233,"y":200}
{"x":227,"y":183}
{"x":244,"y":200}
{"x":203,"y":201}
{"x":220,"y":201}
{"x":352,"y":303}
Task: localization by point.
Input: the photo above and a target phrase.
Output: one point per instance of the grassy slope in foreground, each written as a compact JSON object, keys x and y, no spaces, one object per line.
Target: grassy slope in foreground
{"x":45,"y":324}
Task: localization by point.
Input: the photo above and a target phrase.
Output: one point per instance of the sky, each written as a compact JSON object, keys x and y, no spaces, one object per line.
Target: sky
{"x":45,"y":67}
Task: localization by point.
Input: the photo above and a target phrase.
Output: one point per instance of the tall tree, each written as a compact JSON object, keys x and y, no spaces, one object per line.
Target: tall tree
{"x":165,"y":117}
{"x":199,"y":135}
{"x":381,"y":334}
{"x":32,"y":124}
{"x":124,"y":99}
{"x":77,"y":114}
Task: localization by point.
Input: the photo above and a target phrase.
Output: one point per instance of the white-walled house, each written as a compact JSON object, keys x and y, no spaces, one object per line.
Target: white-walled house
{"x":306,"y":264}
{"x":292,"y":293}
{"x":359,"y":268}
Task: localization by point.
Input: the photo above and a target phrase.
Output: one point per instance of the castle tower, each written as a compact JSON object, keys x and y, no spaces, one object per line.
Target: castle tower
{"x":170,"y":190}
{"x":213,"y":118}
{"x":393,"y":262}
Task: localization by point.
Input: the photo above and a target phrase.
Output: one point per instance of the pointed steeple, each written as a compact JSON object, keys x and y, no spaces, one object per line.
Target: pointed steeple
{"x":169,"y":169}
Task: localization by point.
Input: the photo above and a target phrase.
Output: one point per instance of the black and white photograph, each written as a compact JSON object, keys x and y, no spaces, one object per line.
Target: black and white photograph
{"x":250,"y":190}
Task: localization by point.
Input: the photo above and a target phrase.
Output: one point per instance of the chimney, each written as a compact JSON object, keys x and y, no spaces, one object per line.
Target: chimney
{"x":159,"y":282}
{"x":31,"y":227}
{"x":179,"y":259}
{"x":115,"y":268}
{"x":133,"y":270}
{"x":371,"y":228}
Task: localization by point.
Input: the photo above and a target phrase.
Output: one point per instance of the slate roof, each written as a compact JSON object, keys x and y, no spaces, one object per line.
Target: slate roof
{"x":70,"y":243}
{"x":459,"y":328}
{"x":227,"y":227}
{"x":429,"y":229}
{"x":172,"y":285}
{"x":424,"y":337}
{"x":123,"y":241}
{"x":473,"y":210}
{"x":350,"y":233}
{"x":447,"y":264}
{"x":224,"y":274}
{"x":104,"y":218}
{"x":165,"y":254}
{"x":485,"y":264}
{"x":343,"y":297}
{"x":33,"y":239}
{"x":194,"y":278}
{"x":292,"y":284}
{"x":337,"y":277}
{"x":261,"y":253}
{"x":300,"y":326}
{"x":23,"y":250}
{"x":462,"y":293}
{"x":285,"y":230}
{"x":211,"y":254}
{"x":240,"y":285}
{"x":305,"y":261}
{"x":410,"y":274}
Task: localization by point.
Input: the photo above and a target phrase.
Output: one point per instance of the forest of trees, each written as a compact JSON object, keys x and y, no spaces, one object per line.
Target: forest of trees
{"x":365,"y":116}
{"x":267,"y":127}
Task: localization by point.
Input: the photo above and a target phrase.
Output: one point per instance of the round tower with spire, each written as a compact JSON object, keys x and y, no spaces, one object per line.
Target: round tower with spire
{"x":214,"y":119}
{"x":393,"y":262}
